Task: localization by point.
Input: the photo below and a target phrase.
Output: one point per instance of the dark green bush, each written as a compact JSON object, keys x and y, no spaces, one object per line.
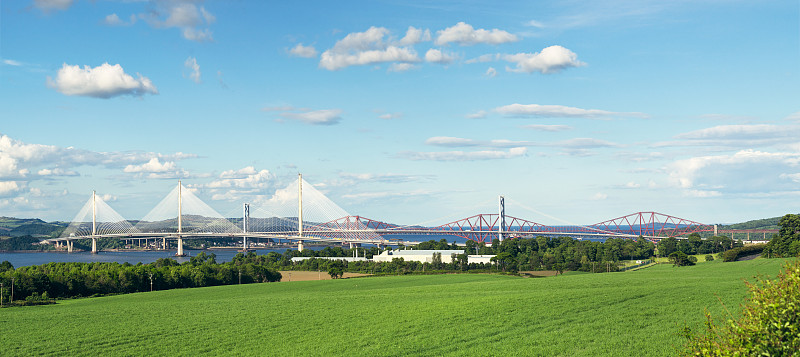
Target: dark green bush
{"x":769,"y":326}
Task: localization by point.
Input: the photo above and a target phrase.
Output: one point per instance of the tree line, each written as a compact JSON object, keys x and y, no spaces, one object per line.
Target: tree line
{"x":68,"y":280}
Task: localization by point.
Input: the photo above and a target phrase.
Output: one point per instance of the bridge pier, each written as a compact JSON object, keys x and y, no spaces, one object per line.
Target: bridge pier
{"x":94,"y":245}
{"x":180,"y":248}
{"x":300,"y":245}
{"x":163,"y":243}
{"x":69,"y":246}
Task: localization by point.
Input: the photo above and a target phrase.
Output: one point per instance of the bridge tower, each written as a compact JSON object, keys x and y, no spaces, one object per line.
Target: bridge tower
{"x":180,"y":222}
{"x":245,"y":218}
{"x":501,"y":219}
{"x":94,"y":222}
{"x":300,"y":211}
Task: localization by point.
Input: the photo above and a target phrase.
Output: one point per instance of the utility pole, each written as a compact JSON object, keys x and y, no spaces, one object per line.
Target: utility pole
{"x":151,"y":282}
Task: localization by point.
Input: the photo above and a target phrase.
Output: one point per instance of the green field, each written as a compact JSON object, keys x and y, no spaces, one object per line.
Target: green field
{"x":624,"y":314}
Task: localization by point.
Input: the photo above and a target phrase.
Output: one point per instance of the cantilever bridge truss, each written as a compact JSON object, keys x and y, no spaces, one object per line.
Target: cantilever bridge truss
{"x":97,"y":219}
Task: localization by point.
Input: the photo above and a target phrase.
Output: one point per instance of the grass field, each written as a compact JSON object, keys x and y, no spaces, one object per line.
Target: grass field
{"x":623,"y":314}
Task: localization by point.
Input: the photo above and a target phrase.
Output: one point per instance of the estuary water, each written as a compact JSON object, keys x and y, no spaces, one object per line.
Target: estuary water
{"x":20,"y":259}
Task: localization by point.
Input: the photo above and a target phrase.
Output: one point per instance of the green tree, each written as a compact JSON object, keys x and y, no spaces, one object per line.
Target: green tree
{"x":667,"y":246}
{"x":679,"y":259}
{"x":787,"y":242}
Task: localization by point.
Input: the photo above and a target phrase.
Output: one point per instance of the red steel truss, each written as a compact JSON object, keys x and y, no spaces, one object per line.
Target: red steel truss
{"x":485,"y":227}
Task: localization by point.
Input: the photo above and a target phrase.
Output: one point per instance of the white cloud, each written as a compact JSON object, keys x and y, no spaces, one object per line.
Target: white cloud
{"x":451,"y":141}
{"x":185,"y":15}
{"x":247,"y":178}
{"x":436,"y":56}
{"x":365,"y":48}
{"x":414,"y":36}
{"x":482,"y":59}
{"x":389,"y":116}
{"x":56,"y":172}
{"x":51,"y":5}
{"x":303,"y":51}
{"x":12,"y":62}
{"x":334,"y":61}
{"x":746,"y":171}
{"x":552,"y":59}
{"x":114,"y":20}
{"x":491,"y":72}
{"x":534,"y":23}
{"x":559,"y":111}
{"x":794,"y":116}
{"x":194,"y":68}
{"x":154,"y":165}
{"x":401,"y":67}
{"x":104,"y":81}
{"x":544,"y":127}
{"x":794,"y":177}
{"x":632,"y":185}
{"x":737,"y":136}
{"x":465,"y":35}
{"x":477,"y":115}
{"x":241,"y":173}
{"x":8,"y":188}
{"x":599,"y":196}
{"x":465,"y":155}
{"x":316,"y":117}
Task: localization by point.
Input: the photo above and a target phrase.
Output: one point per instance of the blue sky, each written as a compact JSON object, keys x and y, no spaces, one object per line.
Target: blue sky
{"x":408,"y":111}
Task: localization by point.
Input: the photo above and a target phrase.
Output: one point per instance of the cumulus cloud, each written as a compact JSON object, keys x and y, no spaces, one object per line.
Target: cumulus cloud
{"x":8,"y":188}
{"x":560,"y":111}
{"x":29,"y":162}
{"x":599,"y":196}
{"x":465,"y":155}
{"x":465,"y":35}
{"x":303,"y":51}
{"x":491,"y":72}
{"x":552,"y":59}
{"x":366,"y":48}
{"x":436,"y":56}
{"x":194,"y":69}
{"x":414,"y":36}
{"x":103,"y":81}
{"x":193,"y":20}
{"x":246,"y":178}
{"x":52,"y":5}
{"x":154,"y":165}
{"x":746,"y":171}
{"x":314,"y":117}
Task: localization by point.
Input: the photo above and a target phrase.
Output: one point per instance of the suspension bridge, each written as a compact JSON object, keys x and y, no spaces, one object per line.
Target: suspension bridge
{"x":182,"y":215}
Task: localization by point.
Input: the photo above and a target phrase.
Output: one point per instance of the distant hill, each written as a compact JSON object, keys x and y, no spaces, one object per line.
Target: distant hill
{"x":766,"y":223}
{"x":17,"y":227}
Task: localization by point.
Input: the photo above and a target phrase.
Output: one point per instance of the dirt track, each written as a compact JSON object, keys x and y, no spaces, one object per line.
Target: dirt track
{"x":312,"y":275}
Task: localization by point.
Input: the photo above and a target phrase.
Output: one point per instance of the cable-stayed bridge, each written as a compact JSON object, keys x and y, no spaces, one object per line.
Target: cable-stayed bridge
{"x":301,"y":213}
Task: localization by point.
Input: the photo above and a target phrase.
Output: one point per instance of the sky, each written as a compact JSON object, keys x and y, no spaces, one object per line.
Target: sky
{"x":411,"y":112}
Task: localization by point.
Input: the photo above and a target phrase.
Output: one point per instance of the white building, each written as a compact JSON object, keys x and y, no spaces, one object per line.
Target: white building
{"x":422,"y":256}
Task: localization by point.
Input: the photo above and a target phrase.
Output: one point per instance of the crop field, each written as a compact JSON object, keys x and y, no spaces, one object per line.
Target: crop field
{"x":637,"y":313}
